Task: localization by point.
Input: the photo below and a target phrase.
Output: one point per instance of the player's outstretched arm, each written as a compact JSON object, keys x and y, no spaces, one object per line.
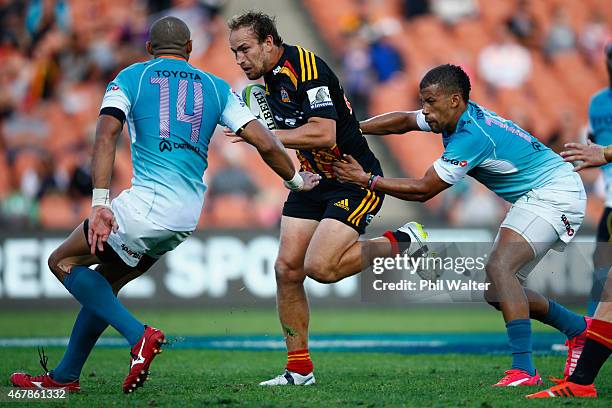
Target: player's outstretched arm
{"x":590,"y":154}
{"x":393,"y":123}
{"x":101,"y":220}
{"x":409,"y":189}
{"x":274,"y":154}
{"x":317,"y":132}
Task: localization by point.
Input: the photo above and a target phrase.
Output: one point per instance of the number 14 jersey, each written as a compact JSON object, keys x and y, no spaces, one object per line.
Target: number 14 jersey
{"x":172,"y":109}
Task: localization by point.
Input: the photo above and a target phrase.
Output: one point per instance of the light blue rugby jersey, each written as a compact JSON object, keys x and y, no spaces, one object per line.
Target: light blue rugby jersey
{"x":172,"y":110}
{"x":600,"y":125}
{"x":497,"y":153}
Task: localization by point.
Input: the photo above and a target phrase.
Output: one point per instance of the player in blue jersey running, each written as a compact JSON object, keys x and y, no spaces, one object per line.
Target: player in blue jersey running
{"x":600,"y":132}
{"x":548,"y":202}
{"x":172,"y":109}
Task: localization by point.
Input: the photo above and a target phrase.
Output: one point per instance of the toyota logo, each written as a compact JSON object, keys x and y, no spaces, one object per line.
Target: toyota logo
{"x":165,"y":145}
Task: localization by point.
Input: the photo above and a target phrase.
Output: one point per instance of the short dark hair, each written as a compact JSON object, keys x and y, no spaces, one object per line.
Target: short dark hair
{"x":262,"y":25}
{"x":451,"y":78}
{"x":169,"y":34}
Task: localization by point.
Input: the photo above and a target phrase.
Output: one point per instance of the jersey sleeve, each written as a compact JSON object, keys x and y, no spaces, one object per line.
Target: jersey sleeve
{"x":316,"y":96}
{"x":235,"y":114}
{"x":464,"y":152}
{"x":118,"y":94}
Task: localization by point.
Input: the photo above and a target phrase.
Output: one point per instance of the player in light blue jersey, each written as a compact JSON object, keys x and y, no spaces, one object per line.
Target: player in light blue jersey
{"x":598,"y":345}
{"x":548,"y":202}
{"x":172,"y":110}
{"x":600,"y":132}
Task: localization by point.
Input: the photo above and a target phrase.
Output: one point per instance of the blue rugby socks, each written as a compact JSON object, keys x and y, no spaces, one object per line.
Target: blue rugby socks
{"x":566,"y":321}
{"x":599,"y":281}
{"x":519,"y":338}
{"x":94,"y":292}
{"x":87,"y":329}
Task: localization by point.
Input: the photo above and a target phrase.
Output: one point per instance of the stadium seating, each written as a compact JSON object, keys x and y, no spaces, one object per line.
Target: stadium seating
{"x":562,"y":84}
{"x":62,"y":125}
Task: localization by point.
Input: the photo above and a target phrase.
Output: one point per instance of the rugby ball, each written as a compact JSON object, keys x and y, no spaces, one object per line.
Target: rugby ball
{"x":255,"y":98}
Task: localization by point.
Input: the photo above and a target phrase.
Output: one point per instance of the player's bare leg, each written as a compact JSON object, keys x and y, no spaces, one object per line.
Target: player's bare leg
{"x":73,"y":251}
{"x":538,"y":304}
{"x":329,"y":262}
{"x":510,"y":253}
{"x":292,"y":301}
{"x":334,"y":252}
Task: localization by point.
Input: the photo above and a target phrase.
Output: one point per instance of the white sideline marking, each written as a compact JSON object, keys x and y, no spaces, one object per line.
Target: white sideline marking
{"x":233,"y":343}
{"x":322,"y":344}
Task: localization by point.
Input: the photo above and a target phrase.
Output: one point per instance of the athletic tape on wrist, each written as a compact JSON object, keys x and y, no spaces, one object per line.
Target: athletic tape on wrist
{"x":100,"y":196}
{"x":296,"y":183}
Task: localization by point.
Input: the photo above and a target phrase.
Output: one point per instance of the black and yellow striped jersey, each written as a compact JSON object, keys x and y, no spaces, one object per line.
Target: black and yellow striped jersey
{"x":301,"y":86}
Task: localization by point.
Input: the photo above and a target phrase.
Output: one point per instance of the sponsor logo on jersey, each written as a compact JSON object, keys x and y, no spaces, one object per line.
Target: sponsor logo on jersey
{"x":167,"y":146}
{"x":178,"y":74}
{"x":112,"y":88}
{"x":289,"y":122}
{"x":319,"y":97}
{"x":343,"y":204}
{"x":164,"y":146}
{"x":568,"y":226}
{"x":536,"y":146}
{"x":369,"y":218}
{"x":455,"y":162}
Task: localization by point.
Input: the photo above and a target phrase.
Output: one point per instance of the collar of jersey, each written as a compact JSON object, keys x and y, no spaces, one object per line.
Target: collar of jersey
{"x":463,"y":118}
{"x":171,"y":57}
{"x":284,"y":56}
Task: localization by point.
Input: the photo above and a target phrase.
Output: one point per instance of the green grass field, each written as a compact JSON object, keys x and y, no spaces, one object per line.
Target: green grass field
{"x":199,"y":378}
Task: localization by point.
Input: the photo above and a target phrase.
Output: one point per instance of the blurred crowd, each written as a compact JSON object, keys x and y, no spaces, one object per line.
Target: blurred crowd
{"x":534,"y":61}
{"x":57,"y":58}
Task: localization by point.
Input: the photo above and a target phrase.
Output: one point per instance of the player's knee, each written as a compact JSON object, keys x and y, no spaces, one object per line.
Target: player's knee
{"x":287,"y":273}
{"x":53,"y":262}
{"x":494,"y":270}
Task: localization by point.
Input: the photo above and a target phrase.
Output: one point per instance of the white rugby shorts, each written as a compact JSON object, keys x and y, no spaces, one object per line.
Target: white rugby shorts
{"x":137,"y":235}
{"x":549,"y":216}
